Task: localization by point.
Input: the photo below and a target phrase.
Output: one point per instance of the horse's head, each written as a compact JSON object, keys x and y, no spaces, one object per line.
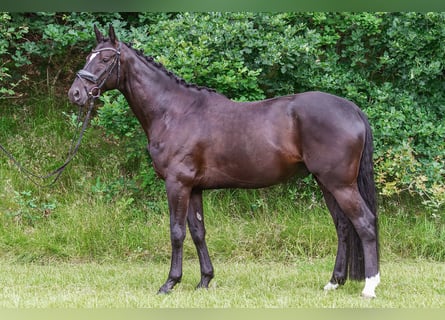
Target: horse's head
{"x":101,"y":71}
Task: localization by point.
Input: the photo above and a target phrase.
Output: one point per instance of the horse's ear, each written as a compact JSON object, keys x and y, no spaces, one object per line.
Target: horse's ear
{"x":99,"y":36}
{"x":112,"y":34}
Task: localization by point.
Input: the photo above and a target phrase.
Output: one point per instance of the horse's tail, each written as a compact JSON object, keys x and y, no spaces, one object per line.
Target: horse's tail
{"x":366,"y":186}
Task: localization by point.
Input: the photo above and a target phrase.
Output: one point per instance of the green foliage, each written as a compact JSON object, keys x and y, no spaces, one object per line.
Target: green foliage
{"x":28,"y":209}
{"x":51,"y":42}
{"x":390,"y":64}
{"x":195,"y":46}
{"x":9,"y":57}
{"x":116,"y":118}
{"x":369,"y":58}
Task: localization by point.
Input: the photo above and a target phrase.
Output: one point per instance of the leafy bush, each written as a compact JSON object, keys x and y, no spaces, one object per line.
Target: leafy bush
{"x":390,"y":64}
{"x":250,"y":56}
{"x":10,"y":58}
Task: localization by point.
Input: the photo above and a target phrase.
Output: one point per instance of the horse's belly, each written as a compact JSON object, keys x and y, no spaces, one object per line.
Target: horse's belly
{"x":250,"y":176}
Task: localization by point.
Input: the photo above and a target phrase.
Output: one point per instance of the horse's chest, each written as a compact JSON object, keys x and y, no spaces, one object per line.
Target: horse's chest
{"x":159,"y":158}
{"x":172,"y":160}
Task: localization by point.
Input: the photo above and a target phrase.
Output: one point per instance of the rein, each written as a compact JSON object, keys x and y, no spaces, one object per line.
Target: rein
{"x":93,"y":94}
{"x":72,"y":152}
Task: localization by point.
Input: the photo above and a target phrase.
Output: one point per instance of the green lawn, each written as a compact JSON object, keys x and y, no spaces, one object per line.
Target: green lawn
{"x":237,"y":284}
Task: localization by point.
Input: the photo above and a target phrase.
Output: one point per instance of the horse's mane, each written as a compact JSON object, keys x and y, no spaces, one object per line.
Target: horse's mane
{"x":150,"y":60}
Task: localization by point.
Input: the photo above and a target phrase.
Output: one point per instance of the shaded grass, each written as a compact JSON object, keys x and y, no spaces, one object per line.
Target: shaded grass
{"x":237,"y":285}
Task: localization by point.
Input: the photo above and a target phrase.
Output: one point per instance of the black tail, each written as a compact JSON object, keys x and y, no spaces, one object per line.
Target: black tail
{"x":366,"y":186}
{"x":365,"y":181}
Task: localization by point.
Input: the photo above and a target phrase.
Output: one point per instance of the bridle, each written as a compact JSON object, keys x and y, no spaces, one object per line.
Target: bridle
{"x":96,"y":79}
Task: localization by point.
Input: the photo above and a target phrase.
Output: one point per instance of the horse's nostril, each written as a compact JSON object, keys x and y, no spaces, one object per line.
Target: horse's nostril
{"x":75,"y":95}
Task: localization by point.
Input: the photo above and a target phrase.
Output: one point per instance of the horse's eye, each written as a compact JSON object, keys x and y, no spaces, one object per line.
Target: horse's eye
{"x":106,"y":59}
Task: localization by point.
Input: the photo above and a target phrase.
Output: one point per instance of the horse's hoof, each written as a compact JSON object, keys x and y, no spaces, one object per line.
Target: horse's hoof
{"x":164,"y":291}
{"x":368,"y":295}
{"x":370,"y":284}
{"x":204,"y":283}
{"x":330,"y":286}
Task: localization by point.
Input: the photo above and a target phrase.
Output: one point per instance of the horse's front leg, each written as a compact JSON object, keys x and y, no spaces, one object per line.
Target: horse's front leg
{"x":195,"y":219}
{"x":178,"y":201}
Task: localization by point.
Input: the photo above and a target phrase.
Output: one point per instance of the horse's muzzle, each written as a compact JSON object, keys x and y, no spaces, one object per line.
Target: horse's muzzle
{"x":77,"y":95}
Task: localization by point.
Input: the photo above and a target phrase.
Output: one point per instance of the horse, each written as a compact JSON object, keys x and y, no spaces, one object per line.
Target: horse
{"x":199,"y":139}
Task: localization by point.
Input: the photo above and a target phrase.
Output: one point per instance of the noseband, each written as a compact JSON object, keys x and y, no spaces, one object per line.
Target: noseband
{"x":88,"y":76}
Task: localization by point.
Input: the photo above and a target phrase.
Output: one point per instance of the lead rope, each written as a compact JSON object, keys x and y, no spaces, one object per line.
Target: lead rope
{"x":72,"y":152}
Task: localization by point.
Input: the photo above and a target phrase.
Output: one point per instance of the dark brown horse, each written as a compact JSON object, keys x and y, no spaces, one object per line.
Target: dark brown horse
{"x":199,"y":139}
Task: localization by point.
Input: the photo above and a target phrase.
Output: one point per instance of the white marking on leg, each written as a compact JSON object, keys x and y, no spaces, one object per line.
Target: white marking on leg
{"x":370,"y":285}
{"x":198,"y":216}
{"x":330,"y":286}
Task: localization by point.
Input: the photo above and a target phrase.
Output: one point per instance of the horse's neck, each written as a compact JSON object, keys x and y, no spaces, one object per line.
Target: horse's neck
{"x":148,"y":90}
{"x":143,"y":85}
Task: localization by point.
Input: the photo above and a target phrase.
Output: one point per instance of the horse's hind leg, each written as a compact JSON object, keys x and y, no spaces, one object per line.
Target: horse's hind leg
{"x":364,"y":222}
{"x":195,"y":218}
{"x":339,"y":275}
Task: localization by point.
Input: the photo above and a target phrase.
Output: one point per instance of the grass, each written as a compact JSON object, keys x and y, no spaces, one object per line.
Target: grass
{"x":237,"y":285}
{"x":83,"y":226}
{"x":97,"y":239}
